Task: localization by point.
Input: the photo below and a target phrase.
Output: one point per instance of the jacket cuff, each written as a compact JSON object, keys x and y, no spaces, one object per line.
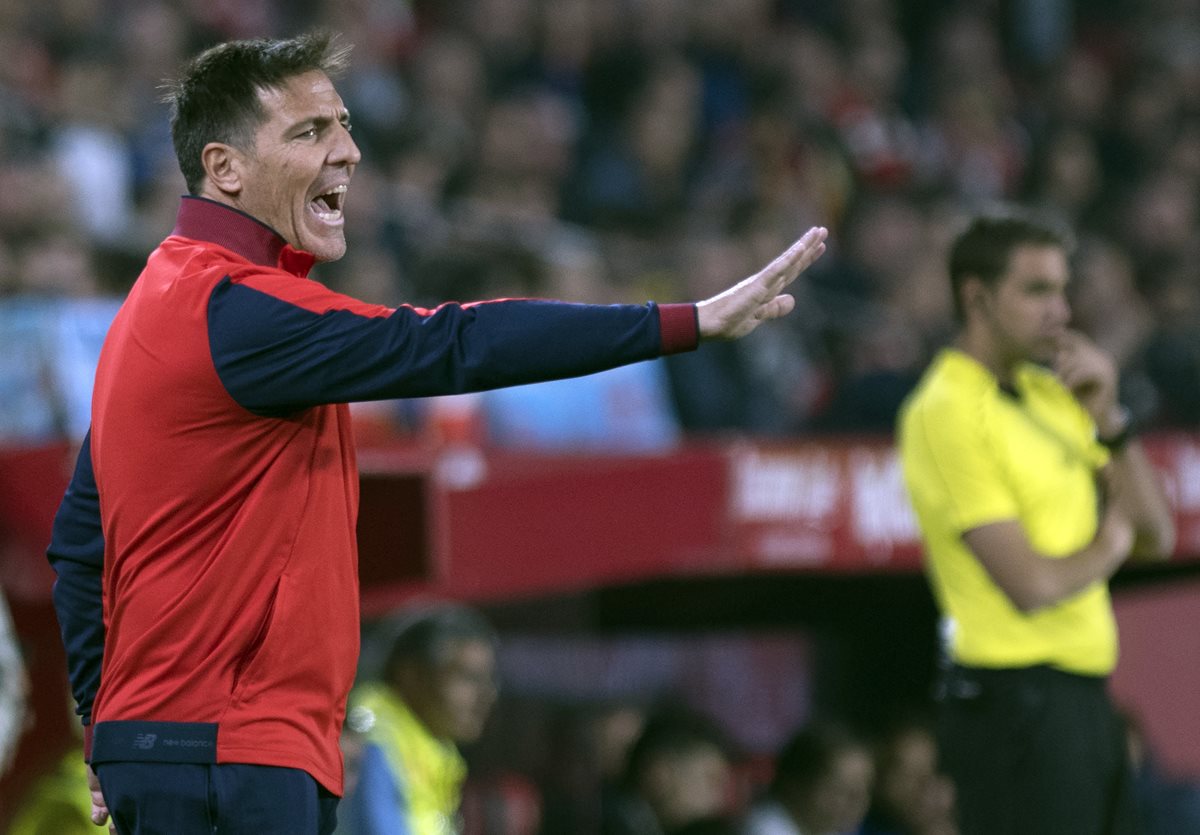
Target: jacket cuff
{"x":679,"y":327}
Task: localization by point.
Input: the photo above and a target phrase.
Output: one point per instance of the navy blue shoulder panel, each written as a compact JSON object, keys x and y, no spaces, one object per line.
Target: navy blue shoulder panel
{"x":276,"y":357}
{"x":76,"y":553}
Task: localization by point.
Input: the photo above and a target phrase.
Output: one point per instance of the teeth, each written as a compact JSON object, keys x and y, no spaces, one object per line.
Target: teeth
{"x":335,"y":196}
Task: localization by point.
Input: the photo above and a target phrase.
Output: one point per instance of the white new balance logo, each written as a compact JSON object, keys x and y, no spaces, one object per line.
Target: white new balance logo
{"x":144,"y":741}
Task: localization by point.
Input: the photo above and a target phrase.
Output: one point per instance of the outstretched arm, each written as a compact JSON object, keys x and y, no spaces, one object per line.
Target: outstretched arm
{"x":281,"y":344}
{"x":740,"y":309}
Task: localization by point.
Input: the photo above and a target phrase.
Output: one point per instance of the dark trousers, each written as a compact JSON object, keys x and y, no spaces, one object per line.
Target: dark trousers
{"x":228,"y":799}
{"x":1035,"y":751}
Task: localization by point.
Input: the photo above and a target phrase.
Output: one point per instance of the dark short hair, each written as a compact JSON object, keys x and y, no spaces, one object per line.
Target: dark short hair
{"x":809,"y":755}
{"x":670,"y":733}
{"x":422,"y":634}
{"x":215,"y":98}
{"x":984,"y":248}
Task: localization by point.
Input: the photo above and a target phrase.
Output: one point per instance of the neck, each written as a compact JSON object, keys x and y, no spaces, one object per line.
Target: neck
{"x":979,"y":345}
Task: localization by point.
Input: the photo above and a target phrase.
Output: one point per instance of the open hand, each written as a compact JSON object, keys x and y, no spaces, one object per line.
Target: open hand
{"x":740,"y":309}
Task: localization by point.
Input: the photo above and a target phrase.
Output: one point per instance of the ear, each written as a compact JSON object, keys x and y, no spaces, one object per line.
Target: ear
{"x":974,"y":294}
{"x":222,"y":167}
{"x":658,"y":777}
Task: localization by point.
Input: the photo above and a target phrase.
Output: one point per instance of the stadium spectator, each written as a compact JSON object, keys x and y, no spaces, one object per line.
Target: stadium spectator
{"x":822,"y":785}
{"x":705,"y":109}
{"x":911,"y":795}
{"x":436,"y":689}
{"x":677,"y":774}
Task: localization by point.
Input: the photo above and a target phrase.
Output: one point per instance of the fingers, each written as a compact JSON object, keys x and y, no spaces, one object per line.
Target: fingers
{"x":100,"y":817}
{"x":796,"y":258}
{"x":781,"y":305}
{"x":1071,"y":345}
{"x":1080,"y":361}
{"x":99,"y":807}
{"x":1119,"y":530}
{"x":1071,"y":339}
{"x":737,"y":311}
{"x":1069,"y":371}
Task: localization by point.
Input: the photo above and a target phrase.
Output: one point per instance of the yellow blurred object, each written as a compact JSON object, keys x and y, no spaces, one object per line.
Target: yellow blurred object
{"x":59,"y":803}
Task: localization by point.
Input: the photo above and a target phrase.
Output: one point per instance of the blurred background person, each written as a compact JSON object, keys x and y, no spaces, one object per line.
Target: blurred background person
{"x":911,"y":796}
{"x":59,"y":803}
{"x":435,"y":691}
{"x":678,"y":773}
{"x":1166,"y":803}
{"x":14,"y":689}
{"x":822,"y":785}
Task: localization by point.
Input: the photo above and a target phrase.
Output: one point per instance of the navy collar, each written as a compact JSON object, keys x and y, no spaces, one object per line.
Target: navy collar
{"x":203,"y":219}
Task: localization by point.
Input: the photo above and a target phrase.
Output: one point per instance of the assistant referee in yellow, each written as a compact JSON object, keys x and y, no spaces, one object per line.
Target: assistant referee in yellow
{"x":1030,"y":491}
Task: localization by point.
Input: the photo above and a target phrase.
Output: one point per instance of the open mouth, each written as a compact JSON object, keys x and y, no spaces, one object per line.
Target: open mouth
{"x":327,"y":206}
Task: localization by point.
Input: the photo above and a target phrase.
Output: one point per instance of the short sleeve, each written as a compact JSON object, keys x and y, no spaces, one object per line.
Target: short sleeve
{"x":953,"y":467}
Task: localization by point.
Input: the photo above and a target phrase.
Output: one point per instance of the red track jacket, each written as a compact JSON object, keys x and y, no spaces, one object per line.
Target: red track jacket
{"x":205,"y":549}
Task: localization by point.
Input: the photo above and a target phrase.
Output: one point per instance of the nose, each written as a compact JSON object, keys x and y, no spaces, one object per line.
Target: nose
{"x":1062,"y":309}
{"x":345,"y":150}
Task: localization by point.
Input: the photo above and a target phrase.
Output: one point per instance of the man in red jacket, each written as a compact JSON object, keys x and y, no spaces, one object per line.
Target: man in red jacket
{"x":205,"y":549}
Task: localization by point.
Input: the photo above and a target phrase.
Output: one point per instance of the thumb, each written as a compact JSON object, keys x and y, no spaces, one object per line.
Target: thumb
{"x":781,"y":305}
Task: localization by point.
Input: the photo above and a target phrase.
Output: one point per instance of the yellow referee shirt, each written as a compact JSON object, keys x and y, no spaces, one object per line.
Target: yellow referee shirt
{"x":972,"y":455}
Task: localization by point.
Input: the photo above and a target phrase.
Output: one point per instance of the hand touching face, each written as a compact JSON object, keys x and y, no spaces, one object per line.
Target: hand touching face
{"x":1090,"y":374}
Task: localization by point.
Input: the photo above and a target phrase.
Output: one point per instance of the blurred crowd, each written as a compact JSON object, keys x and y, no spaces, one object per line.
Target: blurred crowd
{"x":619,"y":150}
